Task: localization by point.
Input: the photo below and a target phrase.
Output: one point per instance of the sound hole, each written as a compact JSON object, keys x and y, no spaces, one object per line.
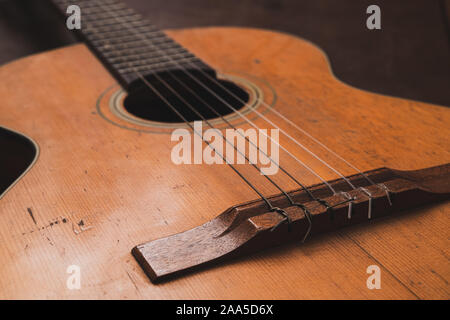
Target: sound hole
{"x":17,"y":154}
{"x":211,"y":99}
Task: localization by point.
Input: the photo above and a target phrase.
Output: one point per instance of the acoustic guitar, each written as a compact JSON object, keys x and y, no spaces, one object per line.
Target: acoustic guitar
{"x":95,"y":206}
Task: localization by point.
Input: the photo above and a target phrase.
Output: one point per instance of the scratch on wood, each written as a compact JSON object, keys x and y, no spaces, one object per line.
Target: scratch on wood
{"x":31,"y":215}
{"x":439,"y":276}
{"x":50,"y":224}
{"x":132,"y":280}
{"x":50,"y":241}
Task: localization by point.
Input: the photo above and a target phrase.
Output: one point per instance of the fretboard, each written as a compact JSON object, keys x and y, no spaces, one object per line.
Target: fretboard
{"x":127,"y":44}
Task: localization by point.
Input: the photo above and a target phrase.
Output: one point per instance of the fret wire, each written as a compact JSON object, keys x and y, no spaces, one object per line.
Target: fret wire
{"x":135,"y":57}
{"x":151,"y":60}
{"x":87,"y":8}
{"x":94,"y":4}
{"x":109,"y":55}
{"x":126,"y":46}
{"x":171,"y":67}
{"x":135,"y":17}
{"x":114,"y":24}
{"x":164,"y":67}
{"x":91,"y":14}
{"x":144,"y":50}
{"x":120,"y":14}
{"x":152,"y":66}
{"x":128,"y":13}
{"x":118,"y":34}
{"x":115,"y":7}
{"x":120,"y":41}
{"x":177,"y":49}
{"x":109,"y":29}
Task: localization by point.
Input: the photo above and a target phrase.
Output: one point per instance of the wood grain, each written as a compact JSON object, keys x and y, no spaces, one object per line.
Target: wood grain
{"x":97,"y":190}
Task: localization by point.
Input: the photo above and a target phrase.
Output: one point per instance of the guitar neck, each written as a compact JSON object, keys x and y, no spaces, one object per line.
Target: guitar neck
{"x":127,"y":44}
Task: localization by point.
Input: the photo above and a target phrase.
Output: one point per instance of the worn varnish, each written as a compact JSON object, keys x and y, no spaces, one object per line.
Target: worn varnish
{"x":116,"y":188}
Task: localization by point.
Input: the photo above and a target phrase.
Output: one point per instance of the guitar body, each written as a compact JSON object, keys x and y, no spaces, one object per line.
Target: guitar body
{"x":101,"y":186}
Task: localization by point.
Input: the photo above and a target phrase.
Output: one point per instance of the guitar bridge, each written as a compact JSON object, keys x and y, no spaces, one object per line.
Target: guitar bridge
{"x":251,"y":226}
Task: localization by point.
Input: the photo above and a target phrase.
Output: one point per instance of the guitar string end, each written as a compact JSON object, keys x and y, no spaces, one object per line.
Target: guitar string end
{"x":286,"y":218}
{"x":350,"y":200}
{"x":367,"y":192}
{"x":308,"y":216}
{"x":387,"y":191}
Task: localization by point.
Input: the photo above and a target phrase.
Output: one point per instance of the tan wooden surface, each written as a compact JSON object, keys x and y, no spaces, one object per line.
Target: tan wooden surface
{"x":124,"y":187}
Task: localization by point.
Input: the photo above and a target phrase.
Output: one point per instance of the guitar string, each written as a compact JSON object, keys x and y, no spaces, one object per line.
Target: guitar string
{"x":297,"y":127}
{"x":217,"y":130}
{"x":325,"y":182}
{"x":322,"y":202}
{"x":286,"y":217}
{"x":191,"y":91}
{"x":365,"y":191}
{"x":265,"y":118}
{"x":185,"y":71}
{"x":350,"y":198}
{"x":271,"y":207}
{"x":291,"y":201}
{"x":146,"y":40}
{"x":149,"y":85}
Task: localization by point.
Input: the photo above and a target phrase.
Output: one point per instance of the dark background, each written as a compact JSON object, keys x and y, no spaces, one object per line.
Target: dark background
{"x":409,"y":57}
